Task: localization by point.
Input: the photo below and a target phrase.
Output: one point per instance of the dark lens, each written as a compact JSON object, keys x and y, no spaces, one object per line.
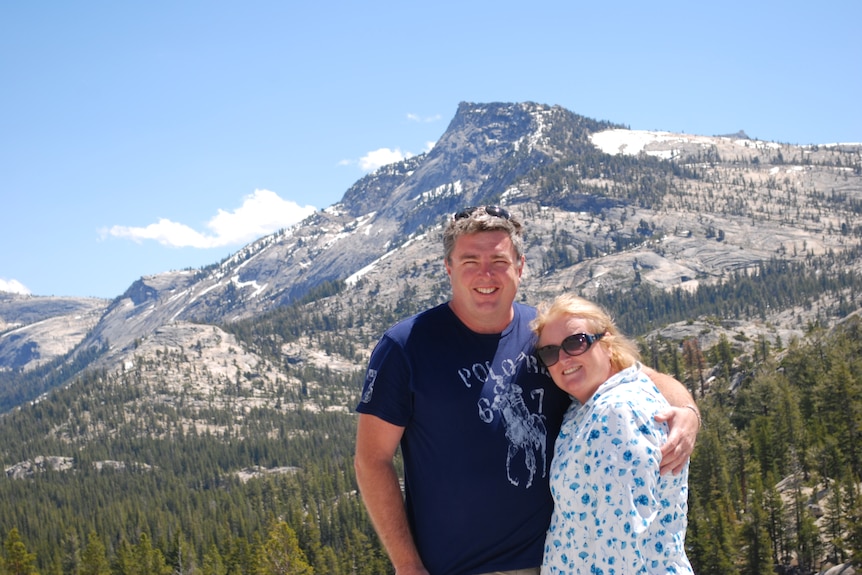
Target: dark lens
{"x":549,"y":355}
{"x":465,"y":213}
{"x":497,"y":211}
{"x":576,"y":344}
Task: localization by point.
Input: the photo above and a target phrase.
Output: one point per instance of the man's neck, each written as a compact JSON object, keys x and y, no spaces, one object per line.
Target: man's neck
{"x":490,"y":324}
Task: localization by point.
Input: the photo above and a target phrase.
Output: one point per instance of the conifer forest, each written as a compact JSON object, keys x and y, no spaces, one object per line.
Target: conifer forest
{"x":774,"y":479}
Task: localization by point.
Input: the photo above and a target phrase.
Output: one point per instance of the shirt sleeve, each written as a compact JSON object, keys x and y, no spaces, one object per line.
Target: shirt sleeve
{"x":386,"y":392}
{"x":627,"y":457}
{"x":635,"y":456}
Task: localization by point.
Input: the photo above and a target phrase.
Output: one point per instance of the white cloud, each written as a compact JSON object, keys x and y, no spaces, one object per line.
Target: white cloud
{"x":261,"y":213}
{"x":427,"y":119}
{"x":381,"y":157}
{"x":385,"y":156}
{"x":13,"y":286}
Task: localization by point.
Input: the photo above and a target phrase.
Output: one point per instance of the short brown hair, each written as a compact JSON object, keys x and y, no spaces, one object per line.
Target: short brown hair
{"x":481,"y":221}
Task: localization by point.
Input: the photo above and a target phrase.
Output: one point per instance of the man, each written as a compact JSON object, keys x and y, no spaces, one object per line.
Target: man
{"x":459,"y":388}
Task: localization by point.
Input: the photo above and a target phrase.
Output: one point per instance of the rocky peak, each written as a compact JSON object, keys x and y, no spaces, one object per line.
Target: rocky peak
{"x":606,"y":207}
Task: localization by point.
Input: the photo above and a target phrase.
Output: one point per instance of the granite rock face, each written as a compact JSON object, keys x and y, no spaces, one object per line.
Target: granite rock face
{"x":605,"y":208}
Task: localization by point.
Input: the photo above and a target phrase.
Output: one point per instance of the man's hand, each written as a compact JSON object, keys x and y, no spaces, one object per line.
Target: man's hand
{"x":684,"y":424}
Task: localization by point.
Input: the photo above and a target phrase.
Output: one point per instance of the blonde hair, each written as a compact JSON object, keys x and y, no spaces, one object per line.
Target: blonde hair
{"x":623,"y":351}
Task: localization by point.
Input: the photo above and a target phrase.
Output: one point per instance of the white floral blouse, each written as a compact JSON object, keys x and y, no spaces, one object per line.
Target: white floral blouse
{"x":613,"y":512}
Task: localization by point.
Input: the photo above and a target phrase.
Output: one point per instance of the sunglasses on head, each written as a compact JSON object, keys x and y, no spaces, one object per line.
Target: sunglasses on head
{"x":495,"y":211}
{"x":575,"y":344}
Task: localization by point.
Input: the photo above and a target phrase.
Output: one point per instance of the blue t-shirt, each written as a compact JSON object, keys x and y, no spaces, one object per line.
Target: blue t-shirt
{"x":480,"y":415}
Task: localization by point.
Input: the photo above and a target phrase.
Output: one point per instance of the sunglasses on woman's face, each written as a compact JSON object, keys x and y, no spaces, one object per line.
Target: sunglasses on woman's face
{"x":575,"y":344}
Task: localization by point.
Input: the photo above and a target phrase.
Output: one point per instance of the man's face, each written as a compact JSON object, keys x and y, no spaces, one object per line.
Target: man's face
{"x":485,"y":274}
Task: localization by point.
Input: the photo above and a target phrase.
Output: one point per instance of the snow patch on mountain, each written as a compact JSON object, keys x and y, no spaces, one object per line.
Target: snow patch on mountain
{"x":354,"y":278}
{"x":666,"y":145}
{"x":633,"y":142}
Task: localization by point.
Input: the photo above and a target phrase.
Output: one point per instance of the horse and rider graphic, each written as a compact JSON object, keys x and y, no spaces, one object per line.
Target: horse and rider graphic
{"x":525,"y":430}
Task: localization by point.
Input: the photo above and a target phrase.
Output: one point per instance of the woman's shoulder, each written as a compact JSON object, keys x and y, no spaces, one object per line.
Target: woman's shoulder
{"x":631,"y":388}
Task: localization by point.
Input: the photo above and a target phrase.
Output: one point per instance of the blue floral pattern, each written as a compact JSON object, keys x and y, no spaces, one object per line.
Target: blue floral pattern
{"x":613,"y":511}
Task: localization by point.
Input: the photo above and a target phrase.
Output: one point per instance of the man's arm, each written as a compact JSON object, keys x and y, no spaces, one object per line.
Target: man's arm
{"x":376,"y":443}
{"x":683,"y":420}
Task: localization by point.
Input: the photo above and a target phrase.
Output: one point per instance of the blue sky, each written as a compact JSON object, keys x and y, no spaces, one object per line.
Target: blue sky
{"x":141,"y":137}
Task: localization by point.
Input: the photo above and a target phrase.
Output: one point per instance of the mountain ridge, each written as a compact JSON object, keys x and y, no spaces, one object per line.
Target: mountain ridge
{"x":600,"y":201}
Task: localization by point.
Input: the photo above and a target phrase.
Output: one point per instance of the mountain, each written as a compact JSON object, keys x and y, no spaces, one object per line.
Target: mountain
{"x":607,"y":209}
{"x":34,"y":330}
{"x":253,"y":363}
{"x":611,"y":204}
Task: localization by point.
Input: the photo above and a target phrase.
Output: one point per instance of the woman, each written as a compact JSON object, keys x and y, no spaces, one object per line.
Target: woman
{"x":613,"y":511}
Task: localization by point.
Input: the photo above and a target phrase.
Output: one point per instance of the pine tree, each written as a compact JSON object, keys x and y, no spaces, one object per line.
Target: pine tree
{"x":755,"y":533}
{"x":775,"y":510}
{"x":17,"y":560}
{"x":854,"y":524}
{"x":94,"y":560}
{"x":71,"y":561}
{"x":213,"y":563}
{"x":182,"y":558}
{"x":694,"y":365}
{"x":282,"y":555}
{"x":150,"y":560}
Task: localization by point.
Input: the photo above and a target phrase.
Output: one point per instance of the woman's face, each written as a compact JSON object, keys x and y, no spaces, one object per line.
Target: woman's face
{"x":579,"y":376}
